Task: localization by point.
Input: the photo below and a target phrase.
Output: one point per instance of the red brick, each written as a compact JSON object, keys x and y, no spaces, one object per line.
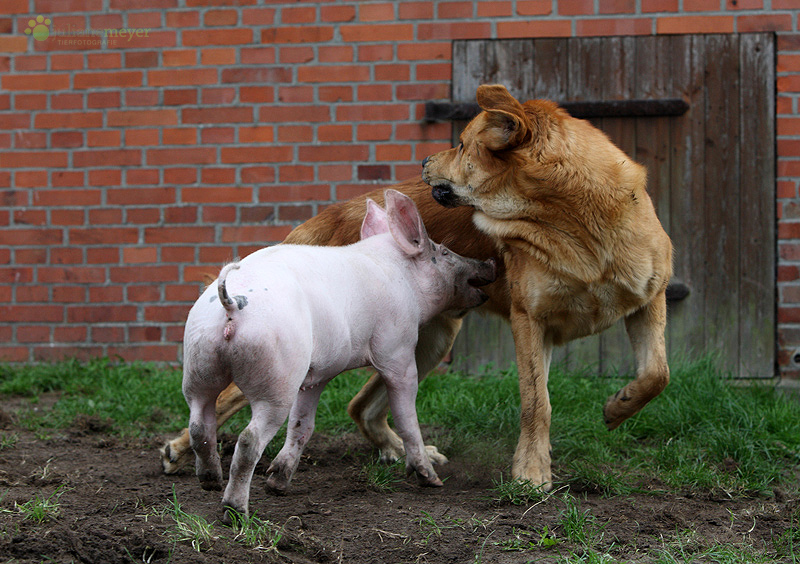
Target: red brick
{"x":119,"y":157}
{"x":179,"y":136}
{"x":258,"y":174}
{"x":337,"y":13}
{"x":103,"y":138}
{"x":257,"y":233}
{"x":298,"y":34}
{"x":201,"y":37}
{"x":30,"y":101}
{"x":28,"y":63}
{"x":454,"y":30}
{"x":221,"y":18}
{"x":259,"y":75}
{"x":373,"y":112}
{"x":135,"y":196}
{"x":218,"y":175}
{"x":181,"y":77}
{"x":374,"y":132}
{"x":101,"y":314}
{"x":296,"y":94}
{"x":423,"y":91}
{"x":617,"y":6}
{"x":217,"y":135}
{"x":766,"y":22}
{"x":255,"y":134}
{"x":141,"y":137}
{"x":171,"y":235}
{"x":65,"y":178}
{"x":335,"y":54}
{"x":333,"y":153}
{"x":30,"y":178}
{"x":333,"y":73}
{"x":69,"y":334}
{"x":15,"y":7}
{"x":376,"y":12}
{"x":13,"y":43}
{"x":615,"y":26}
{"x":199,"y":155}
{"x":258,"y":16}
{"x":295,"y":134}
{"x":694,"y":24}
{"x":147,"y":98}
{"x":375,"y":93}
{"x":179,"y":58}
{"x":393,"y":152}
{"x":296,"y":173}
{"x":10,"y":121}
{"x":304,"y":14}
{"x":180,"y":175}
{"x":66,"y":101}
{"x":336,"y":94}
{"x":307,"y":114}
{"x":101,"y":61}
{"x":257,"y":55}
{"x":217,"y":115}
{"x":217,"y":194}
{"x":790,"y":83}
{"x":36,"y":82}
{"x":659,"y":6}
{"x":424,"y":51}
{"x":455,"y":10}
{"x":218,"y":96}
{"x":70,"y":139}
{"x":381,"y":32}
{"x":218,"y":56}
{"x":121,"y":79}
{"x":180,"y":97}
{"x":371,"y":53}
{"x":334,"y":132}
{"x":296,"y":55}
{"x":36,"y":159}
{"x":255,"y":154}
{"x":440,"y":71}
{"x":141,"y":117}
{"x":32,"y":314}
{"x":103,"y":100}
{"x":501,"y":9}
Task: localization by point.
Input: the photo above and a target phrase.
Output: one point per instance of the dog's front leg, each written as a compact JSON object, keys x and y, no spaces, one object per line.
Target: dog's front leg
{"x":370,"y":406}
{"x":532,"y":457}
{"x":178,"y":452}
{"x":401,"y":385}
{"x":298,"y":432}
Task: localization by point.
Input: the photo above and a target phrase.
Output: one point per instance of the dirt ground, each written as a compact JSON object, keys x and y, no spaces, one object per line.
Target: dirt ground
{"x":113,"y":508}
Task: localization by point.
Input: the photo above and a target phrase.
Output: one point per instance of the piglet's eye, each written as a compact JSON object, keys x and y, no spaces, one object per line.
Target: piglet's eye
{"x":444,"y":252}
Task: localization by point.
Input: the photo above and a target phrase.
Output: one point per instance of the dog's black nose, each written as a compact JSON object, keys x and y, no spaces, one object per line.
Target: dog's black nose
{"x":425,"y":161}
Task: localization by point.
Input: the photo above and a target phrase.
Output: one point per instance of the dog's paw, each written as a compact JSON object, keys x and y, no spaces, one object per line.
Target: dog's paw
{"x":435,"y":456}
{"x":391,"y":454}
{"x":617,"y":409}
{"x":172,"y":459}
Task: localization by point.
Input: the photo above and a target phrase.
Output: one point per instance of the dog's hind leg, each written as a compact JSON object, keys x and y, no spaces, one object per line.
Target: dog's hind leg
{"x":370,"y":406}
{"x":175,"y":454}
{"x":646,"y":332}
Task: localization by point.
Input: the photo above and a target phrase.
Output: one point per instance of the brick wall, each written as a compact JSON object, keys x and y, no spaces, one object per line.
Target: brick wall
{"x":137,"y":159}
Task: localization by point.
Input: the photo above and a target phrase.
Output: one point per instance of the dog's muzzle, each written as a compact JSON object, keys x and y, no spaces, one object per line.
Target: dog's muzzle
{"x":445,"y":196}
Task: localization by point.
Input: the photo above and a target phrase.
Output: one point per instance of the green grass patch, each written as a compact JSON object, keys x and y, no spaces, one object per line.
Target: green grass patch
{"x":701,"y":433}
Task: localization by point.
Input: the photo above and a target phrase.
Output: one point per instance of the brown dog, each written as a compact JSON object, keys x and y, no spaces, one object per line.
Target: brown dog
{"x":580,"y":246}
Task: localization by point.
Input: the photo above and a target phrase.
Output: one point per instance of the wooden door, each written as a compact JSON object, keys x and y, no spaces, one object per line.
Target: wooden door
{"x":711,"y":175}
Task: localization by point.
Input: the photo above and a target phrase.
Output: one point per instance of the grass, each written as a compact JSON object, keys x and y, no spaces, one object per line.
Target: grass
{"x":702,"y":434}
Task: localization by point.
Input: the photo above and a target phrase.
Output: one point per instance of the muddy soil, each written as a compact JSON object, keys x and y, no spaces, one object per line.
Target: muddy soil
{"x":114,"y":506}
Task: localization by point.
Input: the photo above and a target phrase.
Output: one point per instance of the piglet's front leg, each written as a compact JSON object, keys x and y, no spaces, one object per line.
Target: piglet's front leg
{"x":401,"y":386}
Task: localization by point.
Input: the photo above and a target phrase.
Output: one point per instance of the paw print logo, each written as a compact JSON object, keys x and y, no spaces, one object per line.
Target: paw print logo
{"x":38,"y":28}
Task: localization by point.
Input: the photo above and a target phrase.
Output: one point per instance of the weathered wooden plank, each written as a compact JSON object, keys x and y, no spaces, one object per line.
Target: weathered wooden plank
{"x":452,"y":111}
{"x":618,"y":56}
{"x":722,"y":192}
{"x":585,"y":79}
{"x":686,"y":322}
{"x":757,"y":206}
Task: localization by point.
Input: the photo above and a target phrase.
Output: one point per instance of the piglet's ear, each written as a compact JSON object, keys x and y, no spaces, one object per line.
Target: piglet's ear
{"x":375,"y":221}
{"x":405,"y":223}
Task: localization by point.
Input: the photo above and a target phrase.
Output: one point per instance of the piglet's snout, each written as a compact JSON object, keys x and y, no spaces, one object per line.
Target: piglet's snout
{"x":485,"y":273}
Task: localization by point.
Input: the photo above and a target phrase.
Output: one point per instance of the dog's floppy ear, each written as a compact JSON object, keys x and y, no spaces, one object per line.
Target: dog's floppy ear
{"x":375,"y":221}
{"x":405,"y":223}
{"x":507,"y":124}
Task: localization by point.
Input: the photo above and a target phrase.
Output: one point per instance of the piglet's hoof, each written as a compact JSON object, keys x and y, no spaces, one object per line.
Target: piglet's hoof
{"x":276,"y":485}
{"x":210,"y":481}
{"x":425,"y":478}
{"x":228,"y":513}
